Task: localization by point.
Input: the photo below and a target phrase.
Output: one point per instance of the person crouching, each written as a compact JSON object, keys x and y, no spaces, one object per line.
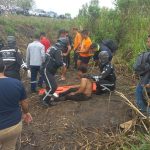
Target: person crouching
{"x":106,"y":80}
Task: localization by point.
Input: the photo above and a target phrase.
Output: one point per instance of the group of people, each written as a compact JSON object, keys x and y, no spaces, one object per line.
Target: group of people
{"x":46,"y":59}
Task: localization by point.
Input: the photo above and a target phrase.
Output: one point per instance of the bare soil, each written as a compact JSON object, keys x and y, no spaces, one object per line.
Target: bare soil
{"x":75,"y":125}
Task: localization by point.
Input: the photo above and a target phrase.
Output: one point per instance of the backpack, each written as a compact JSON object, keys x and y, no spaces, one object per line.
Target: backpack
{"x":142,"y":64}
{"x":110,"y":44}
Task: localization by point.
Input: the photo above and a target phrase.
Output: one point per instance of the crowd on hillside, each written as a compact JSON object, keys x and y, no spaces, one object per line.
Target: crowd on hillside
{"x":43,"y":59}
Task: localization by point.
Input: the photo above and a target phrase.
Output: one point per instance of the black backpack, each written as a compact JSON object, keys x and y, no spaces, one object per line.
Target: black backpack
{"x":110,"y":44}
{"x":142,"y":64}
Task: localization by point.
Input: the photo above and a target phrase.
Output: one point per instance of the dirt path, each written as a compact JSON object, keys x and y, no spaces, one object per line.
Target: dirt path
{"x":70,"y":125}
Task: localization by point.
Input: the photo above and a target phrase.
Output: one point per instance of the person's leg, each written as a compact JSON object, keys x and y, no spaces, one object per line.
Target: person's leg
{"x":68,"y":61}
{"x":68,"y":92}
{"x":51,"y":86}
{"x":140,"y":98}
{"x":34,"y":72}
{"x":9,"y":136}
{"x":41,"y":78}
{"x":64,"y":69}
{"x":85,"y":61}
{"x":104,"y":86}
{"x":79,"y":61}
{"x":75,"y":59}
{"x":77,"y":97}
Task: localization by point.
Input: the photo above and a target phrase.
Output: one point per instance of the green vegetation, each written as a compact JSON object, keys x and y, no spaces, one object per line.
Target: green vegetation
{"x":128,"y":24}
{"x":28,"y":26}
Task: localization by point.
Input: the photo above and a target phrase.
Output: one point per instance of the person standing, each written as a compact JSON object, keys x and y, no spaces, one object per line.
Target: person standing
{"x":65,"y":51}
{"x":10,"y":110}
{"x":84,"y":52}
{"x":77,"y":45}
{"x":12,"y":59}
{"x":106,"y":80}
{"x":35,"y":56}
{"x":142,"y":71}
{"x":45,"y":41}
{"x":53,"y":61}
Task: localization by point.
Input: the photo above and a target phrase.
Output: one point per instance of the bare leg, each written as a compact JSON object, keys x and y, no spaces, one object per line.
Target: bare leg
{"x":64,"y":71}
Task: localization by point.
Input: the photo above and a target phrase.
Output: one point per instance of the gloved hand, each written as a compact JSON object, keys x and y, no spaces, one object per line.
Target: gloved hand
{"x":64,"y":64}
{"x":24,"y":66}
{"x":95,"y":78}
{"x":29,"y":74}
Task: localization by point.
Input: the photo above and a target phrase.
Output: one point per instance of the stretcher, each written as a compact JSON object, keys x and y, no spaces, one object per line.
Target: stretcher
{"x":62,"y":89}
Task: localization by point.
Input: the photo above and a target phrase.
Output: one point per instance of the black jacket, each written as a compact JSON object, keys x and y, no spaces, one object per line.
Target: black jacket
{"x":53,"y":60}
{"x":12,"y":58}
{"x":107,"y":73}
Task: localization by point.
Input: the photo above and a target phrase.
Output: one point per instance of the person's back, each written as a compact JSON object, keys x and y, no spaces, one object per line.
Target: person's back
{"x":89,"y":86}
{"x":9,"y":57}
{"x":12,"y":103}
{"x":35,"y":54}
{"x":12,"y":58}
{"x":45,"y":41}
{"x":10,"y":111}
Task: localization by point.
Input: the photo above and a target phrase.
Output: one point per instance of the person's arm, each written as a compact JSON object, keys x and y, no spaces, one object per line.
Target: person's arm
{"x":104,"y":73}
{"x":25,"y":108}
{"x":28,"y":57}
{"x":82,"y":87}
{"x":43,"y":54}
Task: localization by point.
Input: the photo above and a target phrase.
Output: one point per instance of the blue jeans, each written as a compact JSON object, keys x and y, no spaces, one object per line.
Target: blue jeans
{"x":140,"y":98}
{"x":34,"y":72}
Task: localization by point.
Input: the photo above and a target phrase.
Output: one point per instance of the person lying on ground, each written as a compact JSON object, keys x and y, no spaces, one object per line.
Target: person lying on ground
{"x":65,"y":52}
{"x":82,"y":92}
{"x":84,"y":52}
{"x":142,"y":70}
{"x":106,"y":80}
{"x":54,"y":61}
{"x":12,"y":96}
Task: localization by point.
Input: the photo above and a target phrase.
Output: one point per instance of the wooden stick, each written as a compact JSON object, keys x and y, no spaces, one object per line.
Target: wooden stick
{"x":130,"y":104}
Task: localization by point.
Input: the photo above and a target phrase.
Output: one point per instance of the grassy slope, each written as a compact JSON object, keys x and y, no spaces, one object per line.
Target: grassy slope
{"x":132,"y":43}
{"x":24,"y":28}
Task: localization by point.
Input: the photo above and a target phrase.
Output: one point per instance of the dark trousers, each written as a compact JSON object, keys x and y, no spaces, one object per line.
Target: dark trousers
{"x":13,"y":74}
{"x":76,"y":55}
{"x":66,"y":60}
{"x":34,"y":73}
{"x":76,"y":97}
{"x":104,"y":86}
{"x":51,"y":85}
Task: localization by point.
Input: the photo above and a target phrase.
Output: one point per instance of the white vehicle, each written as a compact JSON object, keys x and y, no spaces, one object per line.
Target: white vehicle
{"x":40,"y":12}
{"x":32,"y":13}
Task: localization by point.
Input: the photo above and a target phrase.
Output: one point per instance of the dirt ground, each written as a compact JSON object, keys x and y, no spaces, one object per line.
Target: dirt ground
{"x":73,"y":125}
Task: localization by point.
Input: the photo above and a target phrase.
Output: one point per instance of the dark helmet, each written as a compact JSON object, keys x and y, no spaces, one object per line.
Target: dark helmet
{"x":63,"y":43}
{"x":103,"y":57}
{"x":11,"y":40}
